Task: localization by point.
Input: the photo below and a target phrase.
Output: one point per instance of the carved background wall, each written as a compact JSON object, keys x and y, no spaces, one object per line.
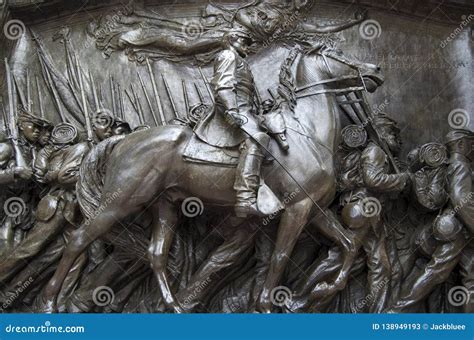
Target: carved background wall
{"x":427,"y":77}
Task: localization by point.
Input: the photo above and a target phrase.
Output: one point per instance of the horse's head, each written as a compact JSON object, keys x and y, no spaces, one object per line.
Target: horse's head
{"x":332,"y":70}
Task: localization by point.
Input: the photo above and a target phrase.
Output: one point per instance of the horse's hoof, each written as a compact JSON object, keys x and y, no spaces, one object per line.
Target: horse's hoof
{"x":43,"y":305}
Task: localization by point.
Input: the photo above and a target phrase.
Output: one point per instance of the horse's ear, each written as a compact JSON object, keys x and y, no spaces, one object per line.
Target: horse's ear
{"x":301,"y":3}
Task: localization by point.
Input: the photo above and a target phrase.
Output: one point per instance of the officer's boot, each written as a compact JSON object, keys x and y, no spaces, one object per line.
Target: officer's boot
{"x":247,"y":179}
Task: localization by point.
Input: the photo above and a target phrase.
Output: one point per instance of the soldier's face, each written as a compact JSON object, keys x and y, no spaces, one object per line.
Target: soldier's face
{"x":44,"y":137}
{"x":30,"y":131}
{"x":392,"y":137}
{"x":103,"y":132}
{"x":241,"y":46}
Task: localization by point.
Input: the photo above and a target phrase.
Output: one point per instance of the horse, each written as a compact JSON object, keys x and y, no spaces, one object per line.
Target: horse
{"x":146,"y":170}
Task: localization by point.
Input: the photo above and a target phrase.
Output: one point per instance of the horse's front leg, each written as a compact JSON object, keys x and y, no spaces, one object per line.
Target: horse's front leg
{"x":165,"y":219}
{"x":292,"y":223}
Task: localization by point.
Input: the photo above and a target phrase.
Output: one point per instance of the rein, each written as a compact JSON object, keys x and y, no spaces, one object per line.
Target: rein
{"x":332,"y":80}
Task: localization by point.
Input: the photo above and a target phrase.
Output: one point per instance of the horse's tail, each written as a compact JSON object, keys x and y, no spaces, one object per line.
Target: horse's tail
{"x":90,"y":185}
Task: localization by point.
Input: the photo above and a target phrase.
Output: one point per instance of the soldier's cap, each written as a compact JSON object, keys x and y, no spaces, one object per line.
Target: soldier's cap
{"x":121,"y":123}
{"x":240,"y":31}
{"x":27,"y":117}
{"x":382,"y":120}
{"x":457,"y":134}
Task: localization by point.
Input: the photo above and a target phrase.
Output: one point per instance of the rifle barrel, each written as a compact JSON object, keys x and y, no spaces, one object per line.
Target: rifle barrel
{"x":168,"y":92}
{"x":153,"y":114}
{"x":155,"y":91}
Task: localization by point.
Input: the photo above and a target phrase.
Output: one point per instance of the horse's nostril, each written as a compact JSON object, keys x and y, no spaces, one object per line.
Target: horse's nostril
{"x":378,"y":68}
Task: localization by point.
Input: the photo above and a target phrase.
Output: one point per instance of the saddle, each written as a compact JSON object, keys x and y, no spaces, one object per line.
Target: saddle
{"x":198,"y":151}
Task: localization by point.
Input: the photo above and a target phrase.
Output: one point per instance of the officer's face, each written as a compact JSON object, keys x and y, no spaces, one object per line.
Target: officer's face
{"x":30,"y":131}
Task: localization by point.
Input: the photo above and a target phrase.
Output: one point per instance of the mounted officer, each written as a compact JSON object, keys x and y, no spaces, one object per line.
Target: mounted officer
{"x":234,"y":122}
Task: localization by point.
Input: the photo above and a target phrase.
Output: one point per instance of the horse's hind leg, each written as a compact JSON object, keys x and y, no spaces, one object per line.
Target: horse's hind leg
{"x":79,"y":241}
{"x":165,"y":217}
{"x":292,"y":223}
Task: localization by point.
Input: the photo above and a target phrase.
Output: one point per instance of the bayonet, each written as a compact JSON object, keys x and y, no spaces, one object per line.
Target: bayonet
{"x":20,"y":160}
{"x":155,"y":91}
{"x":132,"y":101}
{"x":139,"y":106}
{"x":55,"y":96}
{"x":147,"y":98}
{"x":94,"y":93}
{"x":90,"y":136}
{"x":121,"y":104}
{"x":170,"y":97}
{"x":40,"y":98}
{"x":206,"y":83}
{"x":5,"y":118}
{"x":112,"y":94}
{"x":28,"y":91}
{"x":21,"y":94}
{"x":185,"y":95}
{"x":201,"y":98}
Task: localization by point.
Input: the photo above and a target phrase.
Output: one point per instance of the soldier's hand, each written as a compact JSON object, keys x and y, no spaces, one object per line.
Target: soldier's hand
{"x":235,"y":118}
{"x":22,"y":172}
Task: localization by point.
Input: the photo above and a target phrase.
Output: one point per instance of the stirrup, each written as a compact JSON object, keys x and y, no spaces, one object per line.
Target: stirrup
{"x":243,"y":211}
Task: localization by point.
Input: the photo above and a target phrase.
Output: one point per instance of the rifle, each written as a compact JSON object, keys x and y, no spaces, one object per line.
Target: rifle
{"x":139,"y":106}
{"x":155,"y":91}
{"x":5,"y":118}
{"x":206,"y":83}
{"x":168,"y":92}
{"x":201,"y":99}
{"x":40,"y":98}
{"x":112,"y":94}
{"x":20,"y":160}
{"x":90,"y":135}
{"x":147,"y":98}
{"x":185,"y":95}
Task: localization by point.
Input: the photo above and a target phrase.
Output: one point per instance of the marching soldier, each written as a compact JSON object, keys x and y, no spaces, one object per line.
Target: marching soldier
{"x":58,"y":165}
{"x":446,"y":241}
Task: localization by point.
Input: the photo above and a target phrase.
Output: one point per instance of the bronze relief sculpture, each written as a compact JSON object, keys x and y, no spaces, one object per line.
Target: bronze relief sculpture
{"x":260,"y":179}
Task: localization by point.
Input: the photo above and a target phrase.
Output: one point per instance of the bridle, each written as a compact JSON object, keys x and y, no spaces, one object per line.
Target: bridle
{"x":342,"y":91}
